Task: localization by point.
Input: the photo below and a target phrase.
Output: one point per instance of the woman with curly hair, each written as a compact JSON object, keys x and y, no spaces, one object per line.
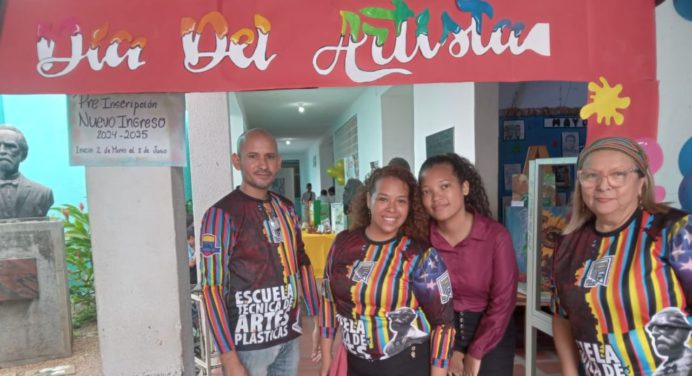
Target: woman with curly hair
{"x":479,"y":254}
{"x":385,"y":287}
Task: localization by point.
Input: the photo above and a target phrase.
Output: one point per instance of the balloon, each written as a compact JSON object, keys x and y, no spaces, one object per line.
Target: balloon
{"x":653,"y":151}
{"x":685,"y":158}
{"x":685,"y":193}
{"x":684,"y":8}
{"x":331,"y":172}
{"x":341,"y":180}
{"x":660,"y":193}
{"x":340,"y":164}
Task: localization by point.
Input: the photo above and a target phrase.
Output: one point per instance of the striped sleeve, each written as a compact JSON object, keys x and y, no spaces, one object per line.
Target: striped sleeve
{"x":309,"y":286}
{"x":433,"y":290}
{"x":311,"y":299}
{"x":216,"y":245}
{"x":441,"y":343}
{"x":680,"y":254}
{"x":328,"y":323}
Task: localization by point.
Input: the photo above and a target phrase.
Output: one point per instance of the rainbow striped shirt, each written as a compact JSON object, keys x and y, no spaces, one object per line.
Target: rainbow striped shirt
{"x":628,"y":295}
{"x":386,"y":296}
{"x":253,"y":268}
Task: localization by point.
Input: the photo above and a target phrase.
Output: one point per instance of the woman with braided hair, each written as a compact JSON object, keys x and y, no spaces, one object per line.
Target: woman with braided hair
{"x":479,"y":255}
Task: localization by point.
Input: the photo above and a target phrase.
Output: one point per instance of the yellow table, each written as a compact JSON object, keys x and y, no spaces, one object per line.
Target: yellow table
{"x":317,"y":248}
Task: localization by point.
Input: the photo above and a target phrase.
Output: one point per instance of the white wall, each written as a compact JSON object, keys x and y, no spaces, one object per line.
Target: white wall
{"x":397,"y":124}
{"x":539,"y":94}
{"x":472,"y":109}
{"x":326,"y":159}
{"x":237,"y":119}
{"x":675,"y":110}
{"x":314,"y":177}
{"x":437,"y":107}
{"x":487,"y":136}
{"x":368,"y":111}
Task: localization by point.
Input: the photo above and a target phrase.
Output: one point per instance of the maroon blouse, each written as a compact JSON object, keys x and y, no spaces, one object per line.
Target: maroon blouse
{"x":484,"y":274}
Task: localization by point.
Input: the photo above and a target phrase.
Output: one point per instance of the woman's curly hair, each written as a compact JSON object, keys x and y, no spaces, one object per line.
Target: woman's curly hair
{"x":417,"y":220}
{"x":464,"y":170}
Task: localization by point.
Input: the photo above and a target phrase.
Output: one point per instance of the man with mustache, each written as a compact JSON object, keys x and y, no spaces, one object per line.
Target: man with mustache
{"x":19,"y":196}
{"x":670,"y":335}
{"x":253,"y":267}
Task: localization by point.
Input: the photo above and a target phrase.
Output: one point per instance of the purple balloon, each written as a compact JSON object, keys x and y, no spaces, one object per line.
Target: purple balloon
{"x":685,"y":193}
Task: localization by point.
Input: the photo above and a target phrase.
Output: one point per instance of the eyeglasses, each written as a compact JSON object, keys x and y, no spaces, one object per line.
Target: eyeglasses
{"x":616,"y":179}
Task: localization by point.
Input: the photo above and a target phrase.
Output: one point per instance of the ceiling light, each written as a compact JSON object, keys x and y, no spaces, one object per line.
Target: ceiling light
{"x":288,"y":142}
{"x":301,"y":109}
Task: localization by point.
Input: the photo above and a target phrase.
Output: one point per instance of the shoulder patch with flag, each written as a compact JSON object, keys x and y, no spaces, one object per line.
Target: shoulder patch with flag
{"x":208,"y":246}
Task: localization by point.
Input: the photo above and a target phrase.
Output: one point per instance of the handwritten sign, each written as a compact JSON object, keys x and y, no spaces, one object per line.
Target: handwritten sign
{"x":127,"y":130}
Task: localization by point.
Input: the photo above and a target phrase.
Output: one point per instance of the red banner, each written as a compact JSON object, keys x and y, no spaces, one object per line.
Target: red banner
{"x":70,"y":46}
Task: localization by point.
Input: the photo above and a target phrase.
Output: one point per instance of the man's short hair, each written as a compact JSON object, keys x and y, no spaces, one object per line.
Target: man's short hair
{"x":23,"y":146}
{"x":323,"y":192}
{"x":249,"y":132}
{"x":400,"y":162}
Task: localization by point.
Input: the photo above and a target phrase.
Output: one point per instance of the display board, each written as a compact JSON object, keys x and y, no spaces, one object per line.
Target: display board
{"x":562,"y":135}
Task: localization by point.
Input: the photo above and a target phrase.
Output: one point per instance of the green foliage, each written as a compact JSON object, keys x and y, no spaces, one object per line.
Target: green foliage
{"x":79,"y":263}
{"x":188,"y":207}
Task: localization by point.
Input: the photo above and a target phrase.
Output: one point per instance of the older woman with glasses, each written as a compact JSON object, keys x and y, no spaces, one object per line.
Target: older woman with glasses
{"x":624,"y":262}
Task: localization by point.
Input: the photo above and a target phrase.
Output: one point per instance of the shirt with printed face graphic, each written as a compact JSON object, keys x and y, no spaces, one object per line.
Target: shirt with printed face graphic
{"x":253,"y":269}
{"x":387,"y":296}
{"x":627,"y":295}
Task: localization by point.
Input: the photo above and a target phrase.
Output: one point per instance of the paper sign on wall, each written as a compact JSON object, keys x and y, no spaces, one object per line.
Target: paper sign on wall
{"x":127,"y":130}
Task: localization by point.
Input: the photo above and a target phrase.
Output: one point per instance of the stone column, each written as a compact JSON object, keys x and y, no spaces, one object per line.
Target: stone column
{"x":211,"y":147}
{"x":143,"y":302}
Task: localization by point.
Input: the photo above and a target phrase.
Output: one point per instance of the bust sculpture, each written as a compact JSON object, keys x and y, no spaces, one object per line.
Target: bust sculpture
{"x":19,"y":196}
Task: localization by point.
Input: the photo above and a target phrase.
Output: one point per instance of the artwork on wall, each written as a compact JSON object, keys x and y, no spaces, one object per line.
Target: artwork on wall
{"x":512,"y":130}
{"x":536,"y":133}
{"x":570,"y":144}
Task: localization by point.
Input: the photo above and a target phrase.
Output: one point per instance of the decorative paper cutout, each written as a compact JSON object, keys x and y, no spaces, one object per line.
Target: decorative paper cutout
{"x":605,"y":103}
